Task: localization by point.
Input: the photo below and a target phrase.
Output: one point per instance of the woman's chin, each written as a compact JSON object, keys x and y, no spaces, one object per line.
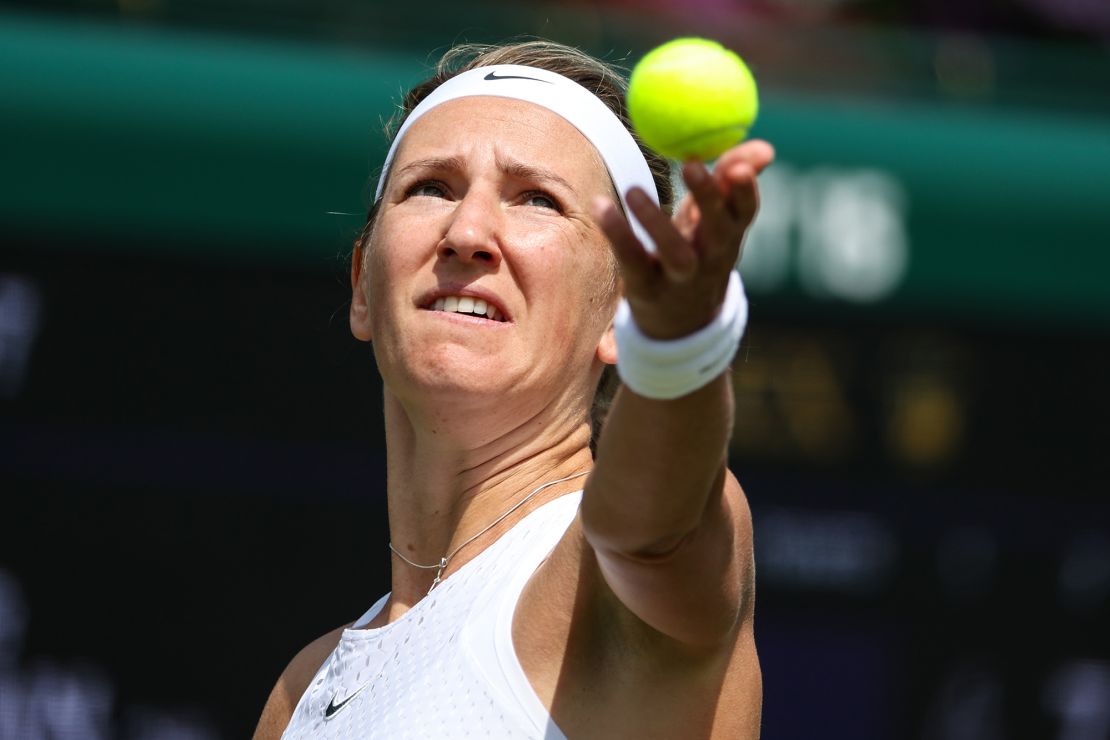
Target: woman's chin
{"x":448,"y":384}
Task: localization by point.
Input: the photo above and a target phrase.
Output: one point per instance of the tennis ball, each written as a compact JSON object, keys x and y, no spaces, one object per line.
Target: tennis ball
{"x":691,"y":99}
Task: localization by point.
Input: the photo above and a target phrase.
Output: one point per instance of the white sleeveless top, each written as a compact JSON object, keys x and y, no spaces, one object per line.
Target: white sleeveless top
{"x":447,"y":668}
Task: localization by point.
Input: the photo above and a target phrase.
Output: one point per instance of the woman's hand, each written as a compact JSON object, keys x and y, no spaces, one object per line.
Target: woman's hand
{"x":679,"y":289}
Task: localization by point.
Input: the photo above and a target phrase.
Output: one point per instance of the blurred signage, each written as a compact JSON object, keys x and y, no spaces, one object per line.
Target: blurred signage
{"x":839,"y":233}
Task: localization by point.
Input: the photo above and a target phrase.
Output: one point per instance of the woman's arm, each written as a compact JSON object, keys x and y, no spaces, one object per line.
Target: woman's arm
{"x":667,"y":521}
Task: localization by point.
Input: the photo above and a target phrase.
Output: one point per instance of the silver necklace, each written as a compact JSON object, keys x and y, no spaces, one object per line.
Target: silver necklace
{"x":443,"y":561}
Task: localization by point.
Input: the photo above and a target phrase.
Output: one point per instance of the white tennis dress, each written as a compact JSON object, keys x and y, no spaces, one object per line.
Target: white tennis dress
{"x":447,"y":668}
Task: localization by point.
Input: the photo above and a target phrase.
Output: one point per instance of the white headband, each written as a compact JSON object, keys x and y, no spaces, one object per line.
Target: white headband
{"x":580,"y":107}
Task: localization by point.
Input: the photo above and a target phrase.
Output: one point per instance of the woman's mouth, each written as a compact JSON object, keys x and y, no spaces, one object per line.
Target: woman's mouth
{"x":467,"y":305}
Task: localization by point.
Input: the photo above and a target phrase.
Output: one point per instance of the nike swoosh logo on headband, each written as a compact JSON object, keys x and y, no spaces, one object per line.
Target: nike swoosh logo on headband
{"x":495,"y":76}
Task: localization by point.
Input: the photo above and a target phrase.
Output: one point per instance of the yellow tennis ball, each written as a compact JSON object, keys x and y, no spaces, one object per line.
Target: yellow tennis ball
{"x":692,"y":99}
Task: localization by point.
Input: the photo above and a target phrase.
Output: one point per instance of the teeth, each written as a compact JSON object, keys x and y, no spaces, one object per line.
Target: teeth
{"x":468,"y":305}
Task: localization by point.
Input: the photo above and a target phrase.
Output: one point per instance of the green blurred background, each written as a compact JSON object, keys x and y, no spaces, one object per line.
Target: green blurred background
{"x":189,"y":437}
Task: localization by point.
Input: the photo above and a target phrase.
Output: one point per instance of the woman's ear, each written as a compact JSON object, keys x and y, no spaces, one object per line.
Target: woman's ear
{"x":607,"y":347}
{"x":360,"y":308}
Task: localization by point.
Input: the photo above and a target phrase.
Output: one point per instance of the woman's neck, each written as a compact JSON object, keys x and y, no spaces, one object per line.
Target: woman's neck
{"x":451,"y":477}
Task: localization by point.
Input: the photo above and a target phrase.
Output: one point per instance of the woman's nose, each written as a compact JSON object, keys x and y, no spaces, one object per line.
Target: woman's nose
{"x":473,"y":234}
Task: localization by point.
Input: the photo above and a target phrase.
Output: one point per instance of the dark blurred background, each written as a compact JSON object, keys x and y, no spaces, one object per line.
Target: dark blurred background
{"x":190,"y":442}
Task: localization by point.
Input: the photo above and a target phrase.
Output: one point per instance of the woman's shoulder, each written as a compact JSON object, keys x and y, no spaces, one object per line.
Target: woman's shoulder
{"x":293,"y":682}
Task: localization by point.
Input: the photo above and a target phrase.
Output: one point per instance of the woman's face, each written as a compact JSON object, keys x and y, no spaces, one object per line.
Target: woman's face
{"x":488,"y":207}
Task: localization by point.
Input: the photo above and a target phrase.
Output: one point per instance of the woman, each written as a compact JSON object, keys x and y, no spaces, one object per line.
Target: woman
{"x":538,"y":591}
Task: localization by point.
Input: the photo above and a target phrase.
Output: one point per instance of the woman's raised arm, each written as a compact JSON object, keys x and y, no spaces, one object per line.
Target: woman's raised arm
{"x":667,"y":520}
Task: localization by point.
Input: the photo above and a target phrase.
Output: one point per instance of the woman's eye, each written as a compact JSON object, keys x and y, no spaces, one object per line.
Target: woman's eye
{"x":428,"y":190}
{"x":542,"y":201}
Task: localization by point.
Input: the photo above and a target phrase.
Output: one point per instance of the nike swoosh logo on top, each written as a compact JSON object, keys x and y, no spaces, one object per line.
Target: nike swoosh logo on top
{"x":495,"y":76}
{"x":333,"y":708}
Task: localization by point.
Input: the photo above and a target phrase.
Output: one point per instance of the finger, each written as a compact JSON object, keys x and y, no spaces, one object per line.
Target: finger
{"x":755,"y":152}
{"x":675,"y":254}
{"x":686,"y":218}
{"x":716,"y":229}
{"x":636,"y":264}
{"x":741,"y":189}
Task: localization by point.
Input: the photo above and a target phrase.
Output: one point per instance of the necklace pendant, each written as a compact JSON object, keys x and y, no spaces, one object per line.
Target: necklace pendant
{"x":439,"y":574}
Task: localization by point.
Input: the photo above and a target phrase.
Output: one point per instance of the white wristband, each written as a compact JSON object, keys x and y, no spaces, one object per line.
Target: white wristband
{"x":668,"y":369}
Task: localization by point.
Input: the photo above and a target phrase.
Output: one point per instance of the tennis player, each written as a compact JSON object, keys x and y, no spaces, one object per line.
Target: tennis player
{"x":521,"y":243}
